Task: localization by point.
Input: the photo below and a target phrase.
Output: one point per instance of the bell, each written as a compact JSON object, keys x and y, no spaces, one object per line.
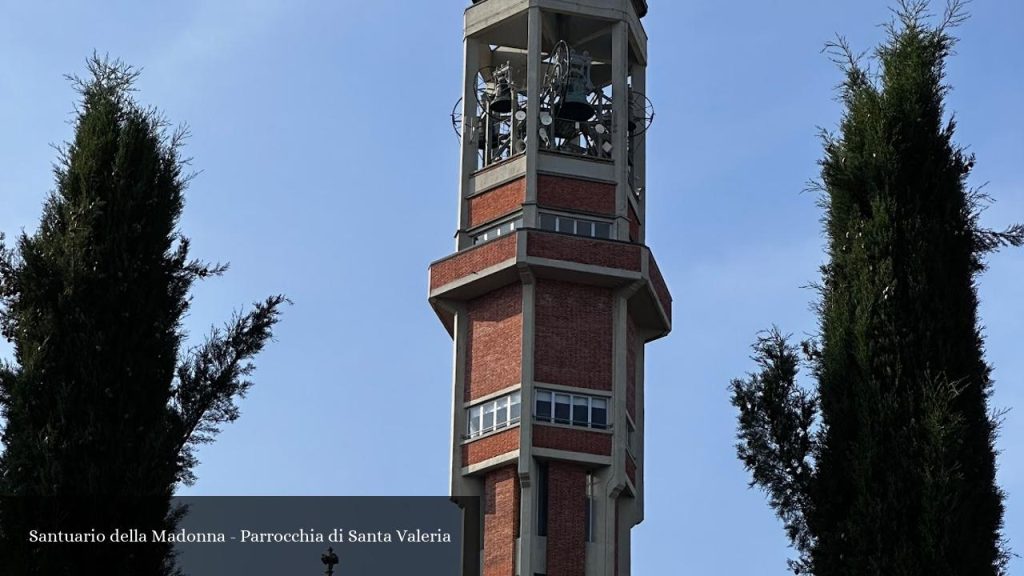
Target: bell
{"x":501,"y":102}
{"x":575,"y":101}
{"x":575,"y":105}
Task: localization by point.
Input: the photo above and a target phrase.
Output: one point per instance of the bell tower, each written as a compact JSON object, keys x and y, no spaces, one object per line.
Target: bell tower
{"x":551,"y":292}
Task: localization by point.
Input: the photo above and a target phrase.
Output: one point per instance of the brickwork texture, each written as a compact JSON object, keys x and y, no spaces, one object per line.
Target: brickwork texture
{"x":573,"y":335}
{"x":497,"y":202}
{"x":575,"y":195}
{"x":566,"y":520}
{"x":501,"y":521}
{"x":494,"y":350}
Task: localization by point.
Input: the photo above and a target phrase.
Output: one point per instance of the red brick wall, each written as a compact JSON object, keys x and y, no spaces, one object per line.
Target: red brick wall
{"x":472,"y":260}
{"x":567,"y":530}
{"x":631,"y":350}
{"x":497,"y":202}
{"x":501,"y":521}
{"x":573,"y":440}
{"x":573,"y":338}
{"x":660,"y":288}
{"x":492,"y":446}
{"x":494,"y":349}
{"x":575,"y":195}
{"x":583,"y":250}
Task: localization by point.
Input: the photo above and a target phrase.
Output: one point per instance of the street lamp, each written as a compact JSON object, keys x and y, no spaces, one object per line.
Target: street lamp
{"x":330,"y":559}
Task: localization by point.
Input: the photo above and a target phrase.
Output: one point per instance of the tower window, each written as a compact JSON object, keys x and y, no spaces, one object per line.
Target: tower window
{"x":580,"y":410}
{"x":573,"y":409}
{"x":502,"y":229}
{"x":562,"y":408}
{"x":488,"y":417}
{"x":474,"y":421}
{"x":575,"y":226}
{"x":544,"y":405}
{"x":599,"y":412}
{"x":494,"y":414}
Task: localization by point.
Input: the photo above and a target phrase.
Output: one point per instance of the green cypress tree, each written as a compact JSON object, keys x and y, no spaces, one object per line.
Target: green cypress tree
{"x":888,"y":466}
{"x":102,"y":400}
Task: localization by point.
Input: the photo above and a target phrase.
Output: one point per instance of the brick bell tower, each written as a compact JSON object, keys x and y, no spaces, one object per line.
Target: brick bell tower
{"x":551,"y":293}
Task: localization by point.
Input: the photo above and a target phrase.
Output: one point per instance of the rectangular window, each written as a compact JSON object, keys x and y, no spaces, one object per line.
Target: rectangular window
{"x":576,"y":226}
{"x":474,"y":421}
{"x":499,"y":230}
{"x":544,"y":405}
{"x":599,"y":413}
{"x":580,"y":410}
{"x":493,"y":414}
{"x":566,"y":224}
{"x":488,"y":417}
{"x":514,"y":407}
{"x":501,"y":413}
{"x":562,"y":408}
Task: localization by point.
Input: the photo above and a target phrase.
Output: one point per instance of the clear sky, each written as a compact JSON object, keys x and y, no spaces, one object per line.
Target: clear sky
{"x":329,"y":173}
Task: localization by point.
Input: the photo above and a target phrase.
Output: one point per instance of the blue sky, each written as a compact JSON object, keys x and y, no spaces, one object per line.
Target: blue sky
{"x":329,"y":173}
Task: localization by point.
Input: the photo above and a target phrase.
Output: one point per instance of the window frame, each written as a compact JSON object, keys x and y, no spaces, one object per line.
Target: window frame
{"x":497,"y":229}
{"x":571,"y":224}
{"x":495,"y":405}
{"x":551,"y":403}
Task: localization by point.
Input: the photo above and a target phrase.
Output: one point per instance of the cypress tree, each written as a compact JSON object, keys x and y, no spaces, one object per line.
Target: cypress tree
{"x":888,"y":465}
{"x":103,"y":406}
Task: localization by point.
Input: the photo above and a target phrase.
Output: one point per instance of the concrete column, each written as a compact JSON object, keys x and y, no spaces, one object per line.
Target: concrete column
{"x":606,"y":526}
{"x":624,"y":521}
{"x":469,"y":158}
{"x":620,"y":125}
{"x":620,"y":350}
{"x":459,"y":484}
{"x":640,"y":430}
{"x":527,"y":467}
{"x":639,"y":76}
{"x":533,"y":82}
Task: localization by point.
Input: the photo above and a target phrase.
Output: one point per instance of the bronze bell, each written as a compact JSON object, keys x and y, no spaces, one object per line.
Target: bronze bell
{"x":575,"y":104}
{"x":501,"y":102}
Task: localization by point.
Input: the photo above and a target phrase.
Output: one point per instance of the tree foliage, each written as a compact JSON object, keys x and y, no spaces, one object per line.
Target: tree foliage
{"x":102,"y":398}
{"x":888,"y":465}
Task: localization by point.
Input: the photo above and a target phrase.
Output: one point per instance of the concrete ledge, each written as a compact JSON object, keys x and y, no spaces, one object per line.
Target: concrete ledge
{"x":542,"y":254}
{"x":580,"y":457}
{"x":490,"y":463}
{"x":496,"y":174}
